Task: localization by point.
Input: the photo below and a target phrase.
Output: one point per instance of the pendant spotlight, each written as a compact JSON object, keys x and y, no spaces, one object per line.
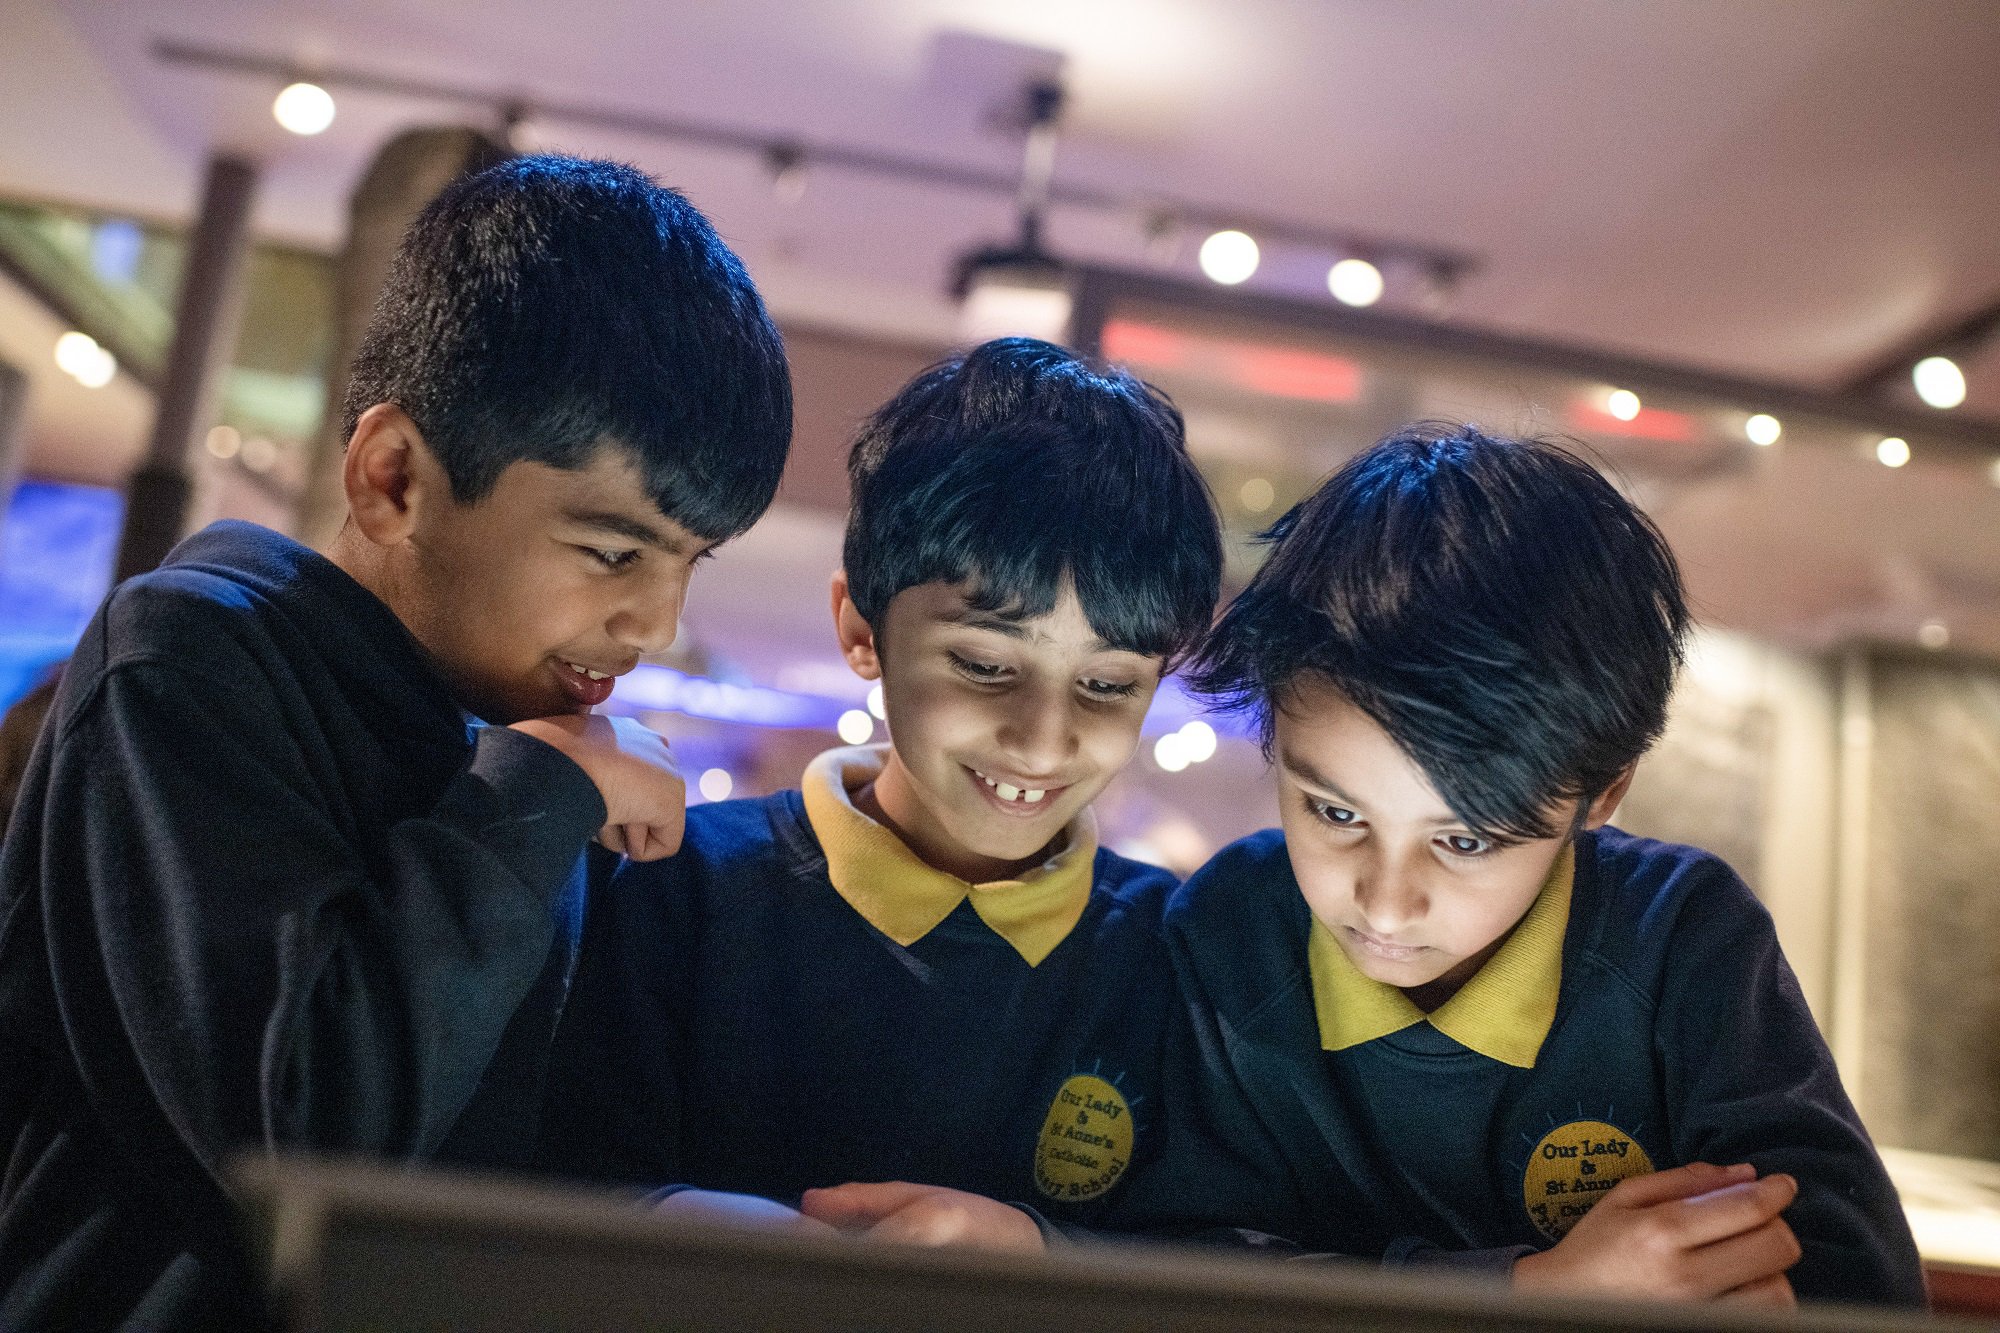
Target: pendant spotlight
{"x":1939,"y":382}
{"x":1021,"y":288}
{"x":1356,"y":282}
{"x":303,"y":108}
{"x":1229,"y":257}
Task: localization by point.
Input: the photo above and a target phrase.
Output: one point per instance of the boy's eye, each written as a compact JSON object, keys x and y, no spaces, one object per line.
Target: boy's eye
{"x":1464,"y":844}
{"x":1339,"y":816}
{"x":984,"y":672}
{"x":611,"y":559}
{"x":1110,"y":689}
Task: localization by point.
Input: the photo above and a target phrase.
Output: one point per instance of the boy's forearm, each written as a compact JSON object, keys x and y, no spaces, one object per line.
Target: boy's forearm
{"x":417,"y":987}
{"x":268,"y":978}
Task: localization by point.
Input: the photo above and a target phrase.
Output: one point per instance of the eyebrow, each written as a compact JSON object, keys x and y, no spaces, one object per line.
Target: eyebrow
{"x":1014,"y":629}
{"x":624,"y":525}
{"x":1311,"y":776}
{"x":987,"y":620}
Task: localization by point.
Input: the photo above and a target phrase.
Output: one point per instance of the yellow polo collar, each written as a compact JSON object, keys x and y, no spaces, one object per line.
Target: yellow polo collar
{"x":1504,"y":1012}
{"x":895,"y":892}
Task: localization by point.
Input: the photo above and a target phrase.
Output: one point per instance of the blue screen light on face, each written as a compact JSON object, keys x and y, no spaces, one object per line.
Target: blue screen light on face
{"x":58,"y":544}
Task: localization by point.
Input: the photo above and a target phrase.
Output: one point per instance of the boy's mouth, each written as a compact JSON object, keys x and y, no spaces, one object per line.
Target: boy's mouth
{"x":1380,"y":948}
{"x":587,"y":685}
{"x":1014,"y":798}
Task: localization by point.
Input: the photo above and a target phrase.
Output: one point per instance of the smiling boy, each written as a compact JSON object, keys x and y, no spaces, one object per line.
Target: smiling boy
{"x":299,"y":850}
{"x":1447,"y":1012}
{"x":922,"y":968}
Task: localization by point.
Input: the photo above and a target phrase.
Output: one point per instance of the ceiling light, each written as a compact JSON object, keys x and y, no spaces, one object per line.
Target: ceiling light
{"x":79,"y":357}
{"x":1009,"y":295}
{"x":855,"y":727}
{"x":1893,"y":451}
{"x":1763,"y":429}
{"x":1355,"y":282}
{"x":876,"y":707}
{"x":304,"y":108}
{"x":1021,"y":288}
{"x":1258,"y":494}
{"x":1939,"y":381}
{"x":1622,"y":403}
{"x":1170,"y":752}
{"x":716,"y":784}
{"x":224,"y":442}
{"x":1228,"y":257}
{"x":1934,"y":635}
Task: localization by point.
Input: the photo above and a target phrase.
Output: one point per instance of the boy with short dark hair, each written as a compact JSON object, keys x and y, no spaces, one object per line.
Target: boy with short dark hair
{"x":299,"y":850}
{"x":1446,"y":1008}
{"x":922,"y":968}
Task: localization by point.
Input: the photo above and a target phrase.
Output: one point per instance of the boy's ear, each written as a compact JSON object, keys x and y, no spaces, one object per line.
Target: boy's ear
{"x":390,"y":474}
{"x":1606,"y":804}
{"x":857,"y":636}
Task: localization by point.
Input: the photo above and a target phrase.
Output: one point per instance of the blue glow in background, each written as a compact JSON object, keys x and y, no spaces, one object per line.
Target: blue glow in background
{"x":57,"y":548}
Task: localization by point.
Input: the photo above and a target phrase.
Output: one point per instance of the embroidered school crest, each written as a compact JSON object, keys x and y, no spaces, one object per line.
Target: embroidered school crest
{"x":1570,"y":1169}
{"x":1086,"y":1140}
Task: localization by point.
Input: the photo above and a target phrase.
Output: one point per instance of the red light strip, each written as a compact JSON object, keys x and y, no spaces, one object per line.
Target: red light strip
{"x":1270,"y":369}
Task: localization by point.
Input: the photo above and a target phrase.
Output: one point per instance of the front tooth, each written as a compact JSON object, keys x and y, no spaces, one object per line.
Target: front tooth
{"x":988,"y":781}
{"x":596,"y":675}
{"x":1007,"y":793}
{"x":1032,"y":796}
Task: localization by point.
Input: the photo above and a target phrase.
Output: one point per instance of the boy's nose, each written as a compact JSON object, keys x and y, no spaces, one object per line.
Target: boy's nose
{"x":648,"y":623}
{"x":1036,"y":734}
{"x":1389,"y":897}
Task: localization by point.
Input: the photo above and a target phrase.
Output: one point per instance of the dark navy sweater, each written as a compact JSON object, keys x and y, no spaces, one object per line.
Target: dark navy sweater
{"x":261,"y":891}
{"x":734,"y":1024}
{"x":1680,"y":1035}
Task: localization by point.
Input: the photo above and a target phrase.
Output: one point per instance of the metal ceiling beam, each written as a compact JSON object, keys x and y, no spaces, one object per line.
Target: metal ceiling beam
{"x":1445,"y":265}
{"x":1098,"y":293}
{"x":1953,"y":339}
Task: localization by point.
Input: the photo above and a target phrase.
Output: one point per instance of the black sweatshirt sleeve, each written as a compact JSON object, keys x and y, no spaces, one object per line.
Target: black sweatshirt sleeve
{"x":1752,"y":1081}
{"x":231,"y":956}
{"x":612,"y":1112}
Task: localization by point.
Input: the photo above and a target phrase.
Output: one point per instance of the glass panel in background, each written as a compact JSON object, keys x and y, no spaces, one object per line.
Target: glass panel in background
{"x":1931,"y":1066}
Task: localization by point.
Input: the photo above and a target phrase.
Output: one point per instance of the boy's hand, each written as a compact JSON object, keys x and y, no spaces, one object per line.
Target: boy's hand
{"x":739,"y":1210}
{"x":1696,"y":1232}
{"x":644,"y":798}
{"x":925,"y":1215}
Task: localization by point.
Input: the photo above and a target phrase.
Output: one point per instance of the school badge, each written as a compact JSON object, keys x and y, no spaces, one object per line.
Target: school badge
{"x":1570,"y":1169}
{"x":1086,"y":1141}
